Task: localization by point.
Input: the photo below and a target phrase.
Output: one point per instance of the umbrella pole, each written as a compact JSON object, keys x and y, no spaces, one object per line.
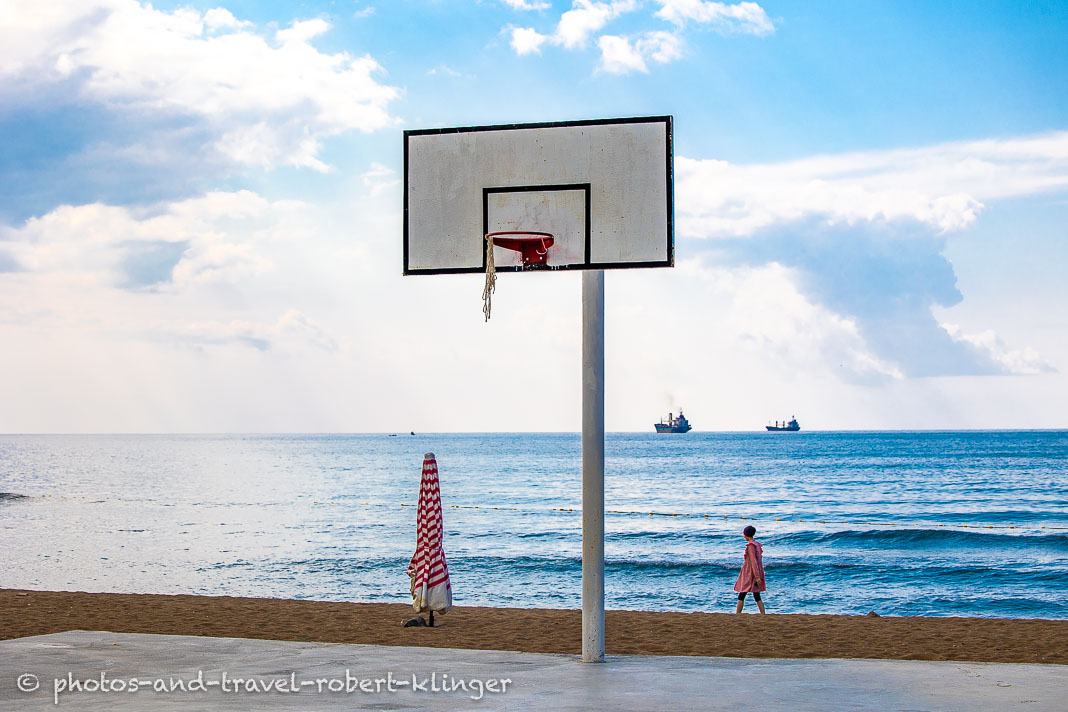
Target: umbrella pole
{"x":593,"y":466}
{"x":431,"y":619}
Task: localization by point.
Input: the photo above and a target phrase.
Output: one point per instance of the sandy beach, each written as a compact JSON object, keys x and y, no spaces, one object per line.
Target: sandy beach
{"x":25,"y":613}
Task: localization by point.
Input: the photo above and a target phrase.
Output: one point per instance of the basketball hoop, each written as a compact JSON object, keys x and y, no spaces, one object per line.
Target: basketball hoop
{"x":532,"y":246}
{"x":602,"y":192}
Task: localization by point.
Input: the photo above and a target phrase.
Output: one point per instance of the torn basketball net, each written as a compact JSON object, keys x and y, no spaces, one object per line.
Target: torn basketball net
{"x":532,"y":246}
{"x":431,"y":590}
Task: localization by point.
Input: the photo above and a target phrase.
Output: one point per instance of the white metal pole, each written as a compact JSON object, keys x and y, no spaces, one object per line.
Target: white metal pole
{"x":593,"y":466}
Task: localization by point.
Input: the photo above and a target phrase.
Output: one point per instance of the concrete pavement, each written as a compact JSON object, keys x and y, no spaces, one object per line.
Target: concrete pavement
{"x":157,"y":672}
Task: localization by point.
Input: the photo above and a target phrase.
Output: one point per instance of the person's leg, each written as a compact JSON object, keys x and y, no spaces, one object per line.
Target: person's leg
{"x":760,"y":604}
{"x":741,"y":602}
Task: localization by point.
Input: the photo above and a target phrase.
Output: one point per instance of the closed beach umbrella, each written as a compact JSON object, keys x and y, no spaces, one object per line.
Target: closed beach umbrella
{"x":430,"y":575}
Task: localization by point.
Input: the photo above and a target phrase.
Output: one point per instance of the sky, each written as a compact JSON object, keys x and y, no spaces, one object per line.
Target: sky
{"x":201,"y":215}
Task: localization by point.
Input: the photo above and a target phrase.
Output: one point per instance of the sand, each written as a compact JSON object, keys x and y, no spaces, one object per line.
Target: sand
{"x":24,"y":613}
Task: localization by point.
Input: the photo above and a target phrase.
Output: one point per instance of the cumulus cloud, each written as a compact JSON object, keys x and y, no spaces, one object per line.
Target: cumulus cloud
{"x":586,"y":17}
{"x":574,"y":28}
{"x":220,"y":18}
{"x":526,"y":40}
{"x":622,"y":54}
{"x":179,"y":246}
{"x":742,"y":18}
{"x":527,"y":5}
{"x":661,"y":47}
{"x":8,"y":263}
{"x":255,"y":98}
{"x":776,"y":318}
{"x":379,"y":180}
{"x":167,"y":273}
{"x":864,"y":236}
{"x":292,"y":326}
{"x":619,"y":55}
{"x":942,"y":186}
{"x":881,"y":280}
{"x":1025,"y":361}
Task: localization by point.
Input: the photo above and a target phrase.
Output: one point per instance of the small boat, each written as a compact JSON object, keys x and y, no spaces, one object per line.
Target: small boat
{"x":673,"y":425}
{"x":791,"y":427}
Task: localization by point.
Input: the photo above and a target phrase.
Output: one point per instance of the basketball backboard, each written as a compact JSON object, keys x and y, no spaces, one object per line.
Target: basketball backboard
{"x":601,"y":188}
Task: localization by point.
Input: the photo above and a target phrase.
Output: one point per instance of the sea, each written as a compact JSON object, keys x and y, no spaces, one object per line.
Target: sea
{"x":900,"y":523}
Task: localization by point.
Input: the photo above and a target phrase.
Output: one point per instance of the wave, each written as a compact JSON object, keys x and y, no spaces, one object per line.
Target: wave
{"x":924,"y":539}
{"x":784,"y":567}
{"x":886,"y":539}
{"x":325,"y":564}
{"x":852,"y":564}
{"x":672,"y":535}
{"x":11,"y":497}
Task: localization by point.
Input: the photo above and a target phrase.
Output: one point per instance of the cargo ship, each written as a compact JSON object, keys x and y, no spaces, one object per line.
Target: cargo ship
{"x":791,"y":427}
{"x":673,"y":425}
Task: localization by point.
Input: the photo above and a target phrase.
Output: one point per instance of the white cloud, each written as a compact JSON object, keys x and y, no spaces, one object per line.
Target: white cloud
{"x":223,"y":271}
{"x":586,"y":17}
{"x":379,"y":180}
{"x":660,"y":46}
{"x":293,"y":327}
{"x":775,"y":318}
{"x":328,"y":322}
{"x":619,"y":56}
{"x":268,"y":100}
{"x":220,"y":18}
{"x":297,"y":326}
{"x":526,"y":40}
{"x":259,"y":144}
{"x":866,"y":233}
{"x":527,"y":5}
{"x":622,"y":54}
{"x":1025,"y":361}
{"x":300,"y":32}
{"x":177,"y":248}
{"x":443,"y":69}
{"x":943,"y":186}
{"x":178,"y":316}
{"x":742,"y":18}
{"x":574,"y":28}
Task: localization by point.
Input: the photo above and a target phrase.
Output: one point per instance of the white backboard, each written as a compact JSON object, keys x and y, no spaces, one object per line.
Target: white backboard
{"x":603,"y":188}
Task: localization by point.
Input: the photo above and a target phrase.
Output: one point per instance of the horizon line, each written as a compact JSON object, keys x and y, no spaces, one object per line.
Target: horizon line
{"x":410,"y":433}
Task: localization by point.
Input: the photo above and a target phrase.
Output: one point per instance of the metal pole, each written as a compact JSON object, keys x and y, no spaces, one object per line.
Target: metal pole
{"x":593,"y":466}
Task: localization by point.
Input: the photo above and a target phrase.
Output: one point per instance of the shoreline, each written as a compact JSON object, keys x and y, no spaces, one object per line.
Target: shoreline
{"x":541,"y":630}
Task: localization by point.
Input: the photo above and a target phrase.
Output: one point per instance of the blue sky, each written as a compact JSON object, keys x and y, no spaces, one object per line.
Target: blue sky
{"x":201,"y":217}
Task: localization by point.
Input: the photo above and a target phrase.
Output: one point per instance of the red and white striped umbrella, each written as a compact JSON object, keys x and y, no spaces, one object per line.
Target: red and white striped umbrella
{"x":429,"y":573}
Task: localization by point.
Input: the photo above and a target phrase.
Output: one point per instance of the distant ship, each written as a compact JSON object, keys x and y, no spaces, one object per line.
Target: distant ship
{"x":791,"y":427}
{"x":673,"y":425}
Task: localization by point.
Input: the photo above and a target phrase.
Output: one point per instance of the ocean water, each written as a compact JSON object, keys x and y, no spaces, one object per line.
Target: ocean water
{"x":901,"y":523}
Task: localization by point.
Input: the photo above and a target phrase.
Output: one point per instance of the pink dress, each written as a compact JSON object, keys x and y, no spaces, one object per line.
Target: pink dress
{"x":752,"y":576}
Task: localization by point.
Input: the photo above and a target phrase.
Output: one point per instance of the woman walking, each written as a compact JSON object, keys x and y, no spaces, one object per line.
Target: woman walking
{"x":751,"y":579}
